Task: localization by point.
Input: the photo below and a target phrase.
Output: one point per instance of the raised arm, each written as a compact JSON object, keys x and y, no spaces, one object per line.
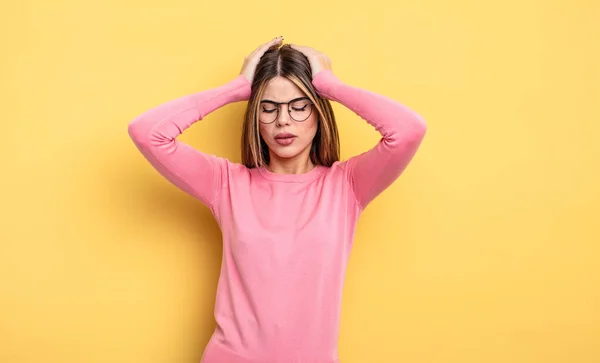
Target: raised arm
{"x":402,"y":131}
{"x":154,"y":132}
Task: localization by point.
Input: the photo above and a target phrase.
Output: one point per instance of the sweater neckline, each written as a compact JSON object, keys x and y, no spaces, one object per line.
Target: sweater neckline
{"x":292,"y":178}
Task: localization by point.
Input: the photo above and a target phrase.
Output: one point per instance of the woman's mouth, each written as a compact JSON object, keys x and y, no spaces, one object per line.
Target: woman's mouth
{"x":285,"y":138}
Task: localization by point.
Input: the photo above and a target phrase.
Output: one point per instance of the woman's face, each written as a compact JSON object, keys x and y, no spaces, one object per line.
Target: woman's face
{"x":286,"y":137}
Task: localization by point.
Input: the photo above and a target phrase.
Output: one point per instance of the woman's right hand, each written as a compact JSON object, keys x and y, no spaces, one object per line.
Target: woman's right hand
{"x":251,"y":61}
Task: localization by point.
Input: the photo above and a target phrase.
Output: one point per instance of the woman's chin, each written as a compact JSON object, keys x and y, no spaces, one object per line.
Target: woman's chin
{"x":286,"y":152}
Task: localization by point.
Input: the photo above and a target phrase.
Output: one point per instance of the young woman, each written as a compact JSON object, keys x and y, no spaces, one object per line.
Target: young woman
{"x":288,"y":212}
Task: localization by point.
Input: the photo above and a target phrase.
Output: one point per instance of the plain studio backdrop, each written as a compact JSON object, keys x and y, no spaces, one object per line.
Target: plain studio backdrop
{"x":485,"y":250}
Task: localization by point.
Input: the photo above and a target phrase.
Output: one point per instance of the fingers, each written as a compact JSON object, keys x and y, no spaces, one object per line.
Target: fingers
{"x":263,"y":48}
{"x":258,"y":52}
{"x":252,"y":59}
{"x":272,"y":42}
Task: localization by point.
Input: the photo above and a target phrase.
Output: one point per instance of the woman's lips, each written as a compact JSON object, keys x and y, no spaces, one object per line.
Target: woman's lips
{"x":285,"y":138}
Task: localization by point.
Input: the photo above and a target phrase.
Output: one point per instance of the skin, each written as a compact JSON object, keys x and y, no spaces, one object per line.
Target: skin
{"x":294,"y":158}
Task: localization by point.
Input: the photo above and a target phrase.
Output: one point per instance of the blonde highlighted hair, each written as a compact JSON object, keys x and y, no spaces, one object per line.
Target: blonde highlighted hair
{"x":293,"y":65}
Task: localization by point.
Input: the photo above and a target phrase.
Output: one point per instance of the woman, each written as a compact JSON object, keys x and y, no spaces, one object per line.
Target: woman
{"x":287,"y":212}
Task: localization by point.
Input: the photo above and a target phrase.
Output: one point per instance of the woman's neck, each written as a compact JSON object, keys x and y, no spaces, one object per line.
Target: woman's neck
{"x":290,"y":166}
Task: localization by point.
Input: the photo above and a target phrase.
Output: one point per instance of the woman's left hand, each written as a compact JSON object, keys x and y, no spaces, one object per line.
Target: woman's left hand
{"x":318,"y":61}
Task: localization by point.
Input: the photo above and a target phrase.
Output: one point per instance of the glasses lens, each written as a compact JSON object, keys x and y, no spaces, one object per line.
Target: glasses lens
{"x":267,"y":113}
{"x":300,"y":109}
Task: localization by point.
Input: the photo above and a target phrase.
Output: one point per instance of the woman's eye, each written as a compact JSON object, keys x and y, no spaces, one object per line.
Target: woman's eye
{"x":269,"y":111}
{"x":299,"y":109}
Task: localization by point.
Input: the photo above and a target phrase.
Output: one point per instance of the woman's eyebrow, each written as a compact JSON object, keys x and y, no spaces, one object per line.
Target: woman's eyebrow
{"x":293,"y":99}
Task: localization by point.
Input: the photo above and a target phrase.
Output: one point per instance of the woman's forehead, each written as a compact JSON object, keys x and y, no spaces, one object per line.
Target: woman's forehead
{"x":281,"y":89}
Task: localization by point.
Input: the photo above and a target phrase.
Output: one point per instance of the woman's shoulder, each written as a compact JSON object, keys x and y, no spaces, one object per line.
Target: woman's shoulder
{"x":337,"y":171}
{"x":233,"y":166}
{"x":339,"y":166}
{"x":227,"y":166}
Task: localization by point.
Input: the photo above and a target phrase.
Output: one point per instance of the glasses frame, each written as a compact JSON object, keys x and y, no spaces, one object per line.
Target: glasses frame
{"x":288,"y":108}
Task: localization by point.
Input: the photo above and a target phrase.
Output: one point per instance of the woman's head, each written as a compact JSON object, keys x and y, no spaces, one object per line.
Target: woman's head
{"x":284,"y":75}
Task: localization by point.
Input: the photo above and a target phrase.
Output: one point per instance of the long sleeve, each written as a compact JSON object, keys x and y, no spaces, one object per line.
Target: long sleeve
{"x":154,"y":132}
{"x":402,"y":131}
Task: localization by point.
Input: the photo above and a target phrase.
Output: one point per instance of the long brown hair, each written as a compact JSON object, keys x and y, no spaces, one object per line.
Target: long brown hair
{"x":293,"y":65}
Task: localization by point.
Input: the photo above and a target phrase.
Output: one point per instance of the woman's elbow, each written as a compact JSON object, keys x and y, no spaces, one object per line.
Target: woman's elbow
{"x":138,"y":131}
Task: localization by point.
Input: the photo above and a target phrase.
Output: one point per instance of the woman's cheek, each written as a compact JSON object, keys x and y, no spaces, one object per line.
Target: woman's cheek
{"x":264,"y":132}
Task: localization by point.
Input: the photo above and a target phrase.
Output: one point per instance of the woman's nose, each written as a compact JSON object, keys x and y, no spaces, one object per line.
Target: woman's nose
{"x":284,"y":116}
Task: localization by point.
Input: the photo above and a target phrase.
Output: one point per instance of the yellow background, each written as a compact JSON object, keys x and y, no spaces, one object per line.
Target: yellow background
{"x":485,"y":250}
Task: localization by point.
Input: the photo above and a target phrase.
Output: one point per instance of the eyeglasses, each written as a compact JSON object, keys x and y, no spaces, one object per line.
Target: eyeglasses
{"x":299,"y":109}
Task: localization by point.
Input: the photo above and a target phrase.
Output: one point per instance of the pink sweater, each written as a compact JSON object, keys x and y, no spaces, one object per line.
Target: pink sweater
{"x":286,"y":237}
